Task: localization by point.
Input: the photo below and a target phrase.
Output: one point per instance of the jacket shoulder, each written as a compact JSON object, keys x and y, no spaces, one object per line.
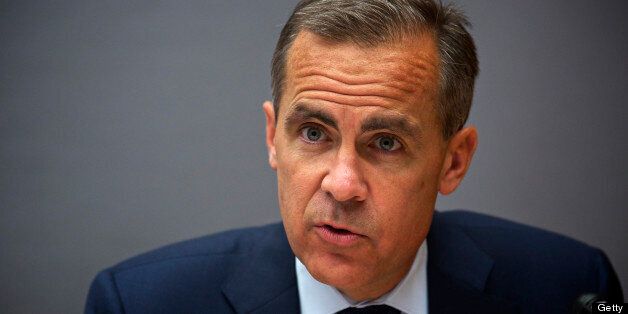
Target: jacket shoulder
{"x":510,"y":237}
{"x":473,"y":221}
{"x":180,"y":277}
{"x":531,"y":264}
{"x":231,"y":242}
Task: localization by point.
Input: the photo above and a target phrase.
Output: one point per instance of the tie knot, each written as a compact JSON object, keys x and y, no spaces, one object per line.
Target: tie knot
{"x":372,"y":309}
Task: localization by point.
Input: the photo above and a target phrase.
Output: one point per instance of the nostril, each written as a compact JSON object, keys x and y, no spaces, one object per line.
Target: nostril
{"x":344,"y":182}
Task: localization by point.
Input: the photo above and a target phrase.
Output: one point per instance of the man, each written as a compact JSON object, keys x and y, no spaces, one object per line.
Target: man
{"x":366,"y":128}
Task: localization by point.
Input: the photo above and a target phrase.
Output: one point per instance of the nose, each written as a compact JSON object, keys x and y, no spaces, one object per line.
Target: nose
{"x":345,"y":181}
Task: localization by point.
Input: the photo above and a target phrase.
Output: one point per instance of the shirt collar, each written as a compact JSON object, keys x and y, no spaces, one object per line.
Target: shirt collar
{"x":409,"y":296}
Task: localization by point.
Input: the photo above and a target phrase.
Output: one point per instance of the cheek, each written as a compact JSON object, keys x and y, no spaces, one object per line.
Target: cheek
{"x":412,"y":187}
{"x":405,"y":205}
{"x":401,"y":205}
{"x":298,"y":181}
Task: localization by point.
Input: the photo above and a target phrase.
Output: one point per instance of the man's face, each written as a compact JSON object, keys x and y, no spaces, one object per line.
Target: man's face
{"x":359,"y":154}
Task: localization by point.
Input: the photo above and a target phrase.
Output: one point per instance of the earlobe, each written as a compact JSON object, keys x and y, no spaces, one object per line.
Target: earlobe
{"x":458,"y":159}
{"x":269,"y":113}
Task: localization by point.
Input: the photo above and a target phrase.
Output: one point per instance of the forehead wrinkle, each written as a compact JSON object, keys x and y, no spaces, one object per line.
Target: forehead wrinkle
{"x":324,"y":84}
{"x":357,"y":76}
{"x":414,"y":73}
{"x":400,"y":79}
{"x":335,"y":74}
{"x":370,"y":89}
{"x":350,"y":100}
{"x":315,"y":75}
{"x":403,"y":68}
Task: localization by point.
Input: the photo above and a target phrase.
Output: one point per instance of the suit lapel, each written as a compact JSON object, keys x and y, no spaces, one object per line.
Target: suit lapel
{"x":266,"y":281}
{"x":457,"y":272}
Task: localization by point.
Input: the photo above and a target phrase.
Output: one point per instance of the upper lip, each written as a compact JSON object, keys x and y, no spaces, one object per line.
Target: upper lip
{"x":338,"y":226}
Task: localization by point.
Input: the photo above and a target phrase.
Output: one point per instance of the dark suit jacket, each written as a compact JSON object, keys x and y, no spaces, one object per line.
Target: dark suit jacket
{"x":476,"y":264}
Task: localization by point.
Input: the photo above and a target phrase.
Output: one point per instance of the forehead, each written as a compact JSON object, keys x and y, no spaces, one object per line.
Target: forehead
{"x":401,"y":76}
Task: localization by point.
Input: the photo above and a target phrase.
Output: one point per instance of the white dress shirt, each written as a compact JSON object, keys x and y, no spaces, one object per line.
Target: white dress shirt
{"x":409,"y":296}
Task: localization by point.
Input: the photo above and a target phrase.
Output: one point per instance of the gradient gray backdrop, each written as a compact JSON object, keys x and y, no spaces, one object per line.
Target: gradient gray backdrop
{"x":127,"y":126}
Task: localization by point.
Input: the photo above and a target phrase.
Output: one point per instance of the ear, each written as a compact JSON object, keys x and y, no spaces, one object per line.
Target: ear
{"x":269,"y":112}
{"x":457,"y":159}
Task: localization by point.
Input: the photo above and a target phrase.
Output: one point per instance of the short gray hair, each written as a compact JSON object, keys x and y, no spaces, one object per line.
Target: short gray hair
{"x":373,"y":22}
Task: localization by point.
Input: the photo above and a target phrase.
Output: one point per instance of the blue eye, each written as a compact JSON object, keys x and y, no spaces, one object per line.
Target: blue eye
{"x":312,"y":134}
{"x":387,"y":143}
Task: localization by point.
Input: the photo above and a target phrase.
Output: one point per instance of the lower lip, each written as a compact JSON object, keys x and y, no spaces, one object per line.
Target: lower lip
{"x":337,"y":238}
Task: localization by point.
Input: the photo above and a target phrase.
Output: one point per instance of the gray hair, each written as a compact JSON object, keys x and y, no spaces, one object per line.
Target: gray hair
{"x":373,"y":22}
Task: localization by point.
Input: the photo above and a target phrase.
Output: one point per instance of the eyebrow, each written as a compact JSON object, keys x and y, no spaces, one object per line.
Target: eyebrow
{"x":304,"y":112}
{"x":397,"y":124}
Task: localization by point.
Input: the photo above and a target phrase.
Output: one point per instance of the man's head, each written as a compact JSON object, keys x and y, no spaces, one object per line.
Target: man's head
{"x":373,"y":22}
{"x":367,"y":127}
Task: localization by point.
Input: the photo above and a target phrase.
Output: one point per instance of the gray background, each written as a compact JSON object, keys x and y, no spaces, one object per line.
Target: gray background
{"x":126,"y":126}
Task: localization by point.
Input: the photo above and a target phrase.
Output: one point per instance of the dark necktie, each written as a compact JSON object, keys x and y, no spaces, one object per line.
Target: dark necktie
{"x":373,"y":309}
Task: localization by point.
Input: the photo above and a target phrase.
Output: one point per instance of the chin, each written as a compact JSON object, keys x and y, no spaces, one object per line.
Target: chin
{"x":334,"y":270}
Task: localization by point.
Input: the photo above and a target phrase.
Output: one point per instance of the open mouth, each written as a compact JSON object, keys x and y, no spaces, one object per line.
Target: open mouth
{"x":337,"y":236}
{"x":336,"y":230}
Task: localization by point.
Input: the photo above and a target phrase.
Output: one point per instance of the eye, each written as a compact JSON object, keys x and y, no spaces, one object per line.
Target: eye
{"x":313,"y":134}
{"x":387,"y":143}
